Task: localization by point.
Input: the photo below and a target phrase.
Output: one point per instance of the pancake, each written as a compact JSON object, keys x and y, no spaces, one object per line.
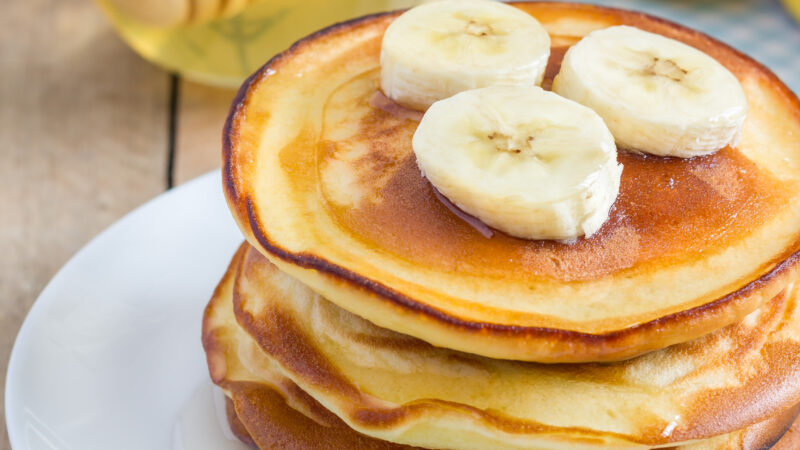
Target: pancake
{"x":397,"y":388}
{"x":239,"y":429}
{"x":326,"y":186}
{"x":259,"y":388}
{"x":275,"y":424}
{"x":260,"y":419}
{"x":279,"y":426}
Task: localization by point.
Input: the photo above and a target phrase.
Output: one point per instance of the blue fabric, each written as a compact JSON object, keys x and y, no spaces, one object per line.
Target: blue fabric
{"x":760,"y":28}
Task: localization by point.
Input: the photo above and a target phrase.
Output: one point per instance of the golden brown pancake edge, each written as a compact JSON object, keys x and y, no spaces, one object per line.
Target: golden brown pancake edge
{"x":267,"y":414}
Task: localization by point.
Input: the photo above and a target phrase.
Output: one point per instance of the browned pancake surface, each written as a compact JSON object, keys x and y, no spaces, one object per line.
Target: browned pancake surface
{"x":277,"y":425}
{"x":272,"y":424}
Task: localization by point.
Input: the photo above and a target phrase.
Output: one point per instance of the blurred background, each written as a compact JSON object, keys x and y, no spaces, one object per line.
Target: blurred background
{"x":106,"y":104}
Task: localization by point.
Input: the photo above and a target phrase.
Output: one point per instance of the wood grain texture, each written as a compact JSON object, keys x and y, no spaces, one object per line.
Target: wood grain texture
{"x":201,"y":114}
{"x":83,"y":139}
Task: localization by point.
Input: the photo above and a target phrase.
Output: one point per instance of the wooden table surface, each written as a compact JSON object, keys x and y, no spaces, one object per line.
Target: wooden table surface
{"x":88,"y":131}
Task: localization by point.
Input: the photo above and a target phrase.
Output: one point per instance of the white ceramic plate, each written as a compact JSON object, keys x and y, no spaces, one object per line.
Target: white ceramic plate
{"x":109,"y":356}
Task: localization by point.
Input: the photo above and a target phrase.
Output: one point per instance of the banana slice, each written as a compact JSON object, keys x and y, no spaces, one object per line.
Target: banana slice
{"x":438,"y":49}
{"x":656,"y":95}
{"x":523,"y":160}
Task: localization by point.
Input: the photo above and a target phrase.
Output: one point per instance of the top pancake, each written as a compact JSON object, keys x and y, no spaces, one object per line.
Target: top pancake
{"x":326,"y":186}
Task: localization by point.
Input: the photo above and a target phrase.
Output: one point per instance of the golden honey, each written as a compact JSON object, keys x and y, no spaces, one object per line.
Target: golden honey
{"x":226,"y":48}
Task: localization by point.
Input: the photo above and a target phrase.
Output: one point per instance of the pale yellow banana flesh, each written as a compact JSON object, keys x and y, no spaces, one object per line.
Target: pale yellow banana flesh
{"x":438,"y":49}
{"x":656,"y":95}
{"x":523,"y":160}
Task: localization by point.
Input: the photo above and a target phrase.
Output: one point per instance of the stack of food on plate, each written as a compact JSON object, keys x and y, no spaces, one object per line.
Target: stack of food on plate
{"x":525,"y":225}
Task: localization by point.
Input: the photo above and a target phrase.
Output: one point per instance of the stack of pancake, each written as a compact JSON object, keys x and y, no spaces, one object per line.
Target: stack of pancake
{"x":363,"y":313}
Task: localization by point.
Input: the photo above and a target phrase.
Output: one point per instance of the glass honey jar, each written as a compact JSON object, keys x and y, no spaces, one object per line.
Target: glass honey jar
{"x":221,"y":42}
